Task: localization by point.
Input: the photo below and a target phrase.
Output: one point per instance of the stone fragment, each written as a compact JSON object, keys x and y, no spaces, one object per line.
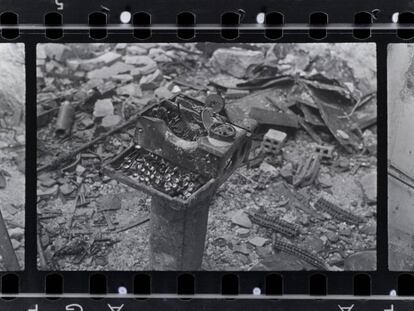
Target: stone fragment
{"x":120,"y":46}
{"x":106,"y":89}
{"x":258,"y":241}
{"x":325,"y":180}
{"x":136,"y":50}
{"x":48,"y":192}
{"x":80,"y":170}
{"x":139,"y":61}
{"x":151,"y":81}
{"x":143,"y":65}
{"x":66,"y":189}
{"x":346,"y":232}
{"x":101,"y":261}
{"x":16,"y":244}
{"x":103,"y":108}
{"x":86,"y":123}
{"x":242,"y":232}
{"x":159,"y":55}
{"x":108,"y":58}
{"x":219,"y":242}
{"x":264,"y":251}
{"x":236,"y":62}
{"x":48,"y":182}
{"x":111,"y":121}
{"x":343,"y":163}
{"x":241,"y":219}
{"x":335,"y":259}
{"x":176,"y":89}
{"x":287,"y":172}
{"x":96,"y":63}
{"x":130,"y":89}
{"x":370,"y":141}
{"x":45,"y":240}
{"x":268,"y":168}
{"x":16,"y":233}
{"x":314,"y":243}
{"x":162,"y":92}
{"x":110,"y":71}
{"x":332,"y":236}
{"x":122,"y":78}
{"x":369,"y":187}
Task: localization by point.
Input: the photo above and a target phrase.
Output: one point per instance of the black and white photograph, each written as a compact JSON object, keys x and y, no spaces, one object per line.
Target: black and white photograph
{"x":12,"y":156}
{"x":401,"y":157}
{"x":207,"y":156}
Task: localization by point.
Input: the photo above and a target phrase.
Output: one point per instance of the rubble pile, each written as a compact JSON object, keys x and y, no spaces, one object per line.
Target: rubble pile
{"x":325,"y":147}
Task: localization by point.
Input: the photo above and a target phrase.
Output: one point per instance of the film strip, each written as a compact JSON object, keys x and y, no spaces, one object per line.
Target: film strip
{"x":220,"y":155}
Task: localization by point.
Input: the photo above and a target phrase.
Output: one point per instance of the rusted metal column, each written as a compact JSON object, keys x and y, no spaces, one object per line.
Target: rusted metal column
{"x":178,"y":231}
{"x":8,"y":256}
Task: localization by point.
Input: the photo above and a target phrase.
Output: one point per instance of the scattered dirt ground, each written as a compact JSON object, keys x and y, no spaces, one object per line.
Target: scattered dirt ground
{"x":87,"y":237}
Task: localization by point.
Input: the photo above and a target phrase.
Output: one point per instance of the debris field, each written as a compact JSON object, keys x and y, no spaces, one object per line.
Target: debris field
{"x":305,"y":199}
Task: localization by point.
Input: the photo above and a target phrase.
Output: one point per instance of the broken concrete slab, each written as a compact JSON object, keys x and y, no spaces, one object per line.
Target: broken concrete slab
{"x":236,"y":62}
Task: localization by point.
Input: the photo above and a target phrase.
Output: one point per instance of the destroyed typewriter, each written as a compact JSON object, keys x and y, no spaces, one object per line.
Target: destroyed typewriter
{"x":182,"y":147}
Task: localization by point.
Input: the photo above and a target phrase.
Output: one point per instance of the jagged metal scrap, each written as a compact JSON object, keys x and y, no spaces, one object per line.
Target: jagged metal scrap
{"x":335,"y":105}
{"x":307,"y":172}
{"x":322,"y":103}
